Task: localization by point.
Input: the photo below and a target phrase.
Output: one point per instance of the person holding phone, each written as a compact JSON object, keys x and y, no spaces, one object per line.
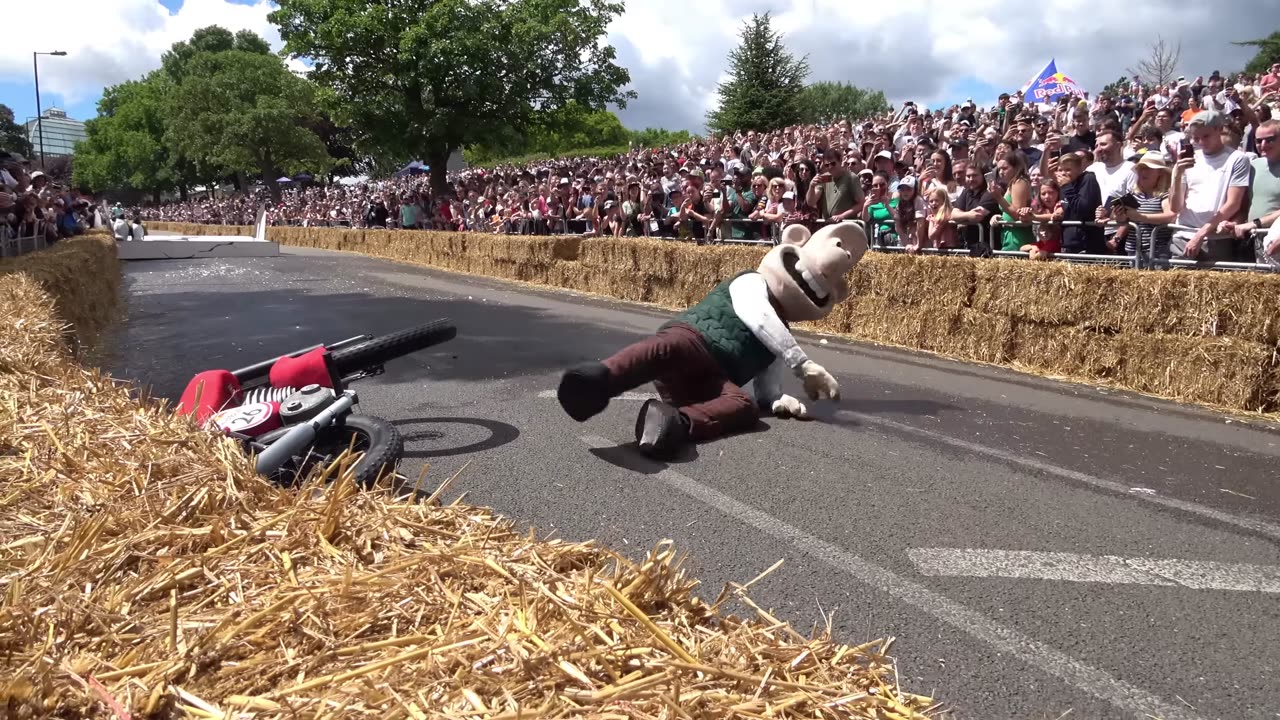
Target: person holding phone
{"x":1148,"y":205}
{"x":834,"y":192}
{"x":1209,"y":187}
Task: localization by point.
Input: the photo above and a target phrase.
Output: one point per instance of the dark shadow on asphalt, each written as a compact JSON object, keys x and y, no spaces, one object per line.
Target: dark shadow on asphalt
{"x":171,"y":336}
{"x":433,"y":429}
{"x":628,"y":457}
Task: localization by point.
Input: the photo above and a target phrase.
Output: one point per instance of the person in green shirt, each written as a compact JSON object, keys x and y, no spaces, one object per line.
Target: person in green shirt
{"x":739,"y":203}
{"x":880,"y":211}
{"x":835,"y":192}
{"x":409,"y":212}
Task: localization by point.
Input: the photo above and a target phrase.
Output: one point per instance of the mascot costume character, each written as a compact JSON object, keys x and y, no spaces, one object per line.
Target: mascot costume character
{"x":740,"y":332}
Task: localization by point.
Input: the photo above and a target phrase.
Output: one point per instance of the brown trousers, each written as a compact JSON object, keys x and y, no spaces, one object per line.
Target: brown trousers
{"x":686,"y":375}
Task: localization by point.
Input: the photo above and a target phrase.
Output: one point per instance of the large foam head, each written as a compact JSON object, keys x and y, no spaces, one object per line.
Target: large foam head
{"x":806,"y":273}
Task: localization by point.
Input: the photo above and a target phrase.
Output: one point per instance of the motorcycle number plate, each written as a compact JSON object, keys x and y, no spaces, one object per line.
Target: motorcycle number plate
{"x":247,"y":419}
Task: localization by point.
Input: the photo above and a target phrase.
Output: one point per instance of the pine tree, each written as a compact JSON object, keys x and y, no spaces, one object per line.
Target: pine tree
{"x":765,"y":83}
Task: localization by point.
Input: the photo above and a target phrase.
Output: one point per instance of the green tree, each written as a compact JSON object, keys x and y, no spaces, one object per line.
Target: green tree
{"x":246,"y":112}
{"x":571,"y":127}
{"x":420,"y":80}
{"x":124,"y":148}
{"x":1268,"y":53}
{"x":12,"y":137}
{"x":826,"y":102}
{"x":659,"y":137}
{"x":764,"y":86}
{"x":1117,"y":88}
{"x":211,"y":39}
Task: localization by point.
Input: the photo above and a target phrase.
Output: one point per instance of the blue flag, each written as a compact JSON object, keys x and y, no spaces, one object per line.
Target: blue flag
{"x":1050,"y":85}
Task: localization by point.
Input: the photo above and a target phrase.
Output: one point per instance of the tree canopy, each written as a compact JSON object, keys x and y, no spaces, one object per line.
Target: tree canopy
{"x":246,"y":112}
{"x":420,"y":81}
{"x":764,"y":85}
{"x":125,"y":145}
{"x":12,"y":137}
{"x":1268,"y":53}
{"x":826,"y":102}
{"x":220,"y":105}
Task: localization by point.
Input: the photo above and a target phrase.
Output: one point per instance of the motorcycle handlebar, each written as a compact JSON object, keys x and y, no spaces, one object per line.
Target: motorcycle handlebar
{"x":259,"y":370}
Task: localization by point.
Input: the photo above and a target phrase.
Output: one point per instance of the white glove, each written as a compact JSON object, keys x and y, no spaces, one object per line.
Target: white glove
{"x":787,"y":406}
{"x":818,"y":383}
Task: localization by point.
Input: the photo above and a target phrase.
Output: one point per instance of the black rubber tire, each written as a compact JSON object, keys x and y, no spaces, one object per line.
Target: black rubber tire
{"x":385,"y":445}
{"x":379,"y":350}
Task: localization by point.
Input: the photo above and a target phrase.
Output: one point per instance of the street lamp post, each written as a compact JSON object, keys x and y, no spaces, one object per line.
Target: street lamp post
{"x":39,"y":118}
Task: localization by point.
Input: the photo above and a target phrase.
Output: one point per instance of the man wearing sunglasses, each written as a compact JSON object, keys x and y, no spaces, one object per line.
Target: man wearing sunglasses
{"x":835,"y":192}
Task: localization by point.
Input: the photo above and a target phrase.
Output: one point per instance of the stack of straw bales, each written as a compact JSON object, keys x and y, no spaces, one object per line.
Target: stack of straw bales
{"x":146,"y":572}
{"x":1195,"y":336}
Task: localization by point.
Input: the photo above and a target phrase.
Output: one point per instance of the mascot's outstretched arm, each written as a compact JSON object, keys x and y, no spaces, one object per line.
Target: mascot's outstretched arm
{"x":750,"y":296}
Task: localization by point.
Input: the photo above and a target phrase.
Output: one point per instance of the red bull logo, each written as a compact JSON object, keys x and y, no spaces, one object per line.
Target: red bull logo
{"x":1053,"y":85}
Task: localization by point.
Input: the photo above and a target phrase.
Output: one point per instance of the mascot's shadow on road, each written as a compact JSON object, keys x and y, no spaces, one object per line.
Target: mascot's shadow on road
{"x":739,"y":333}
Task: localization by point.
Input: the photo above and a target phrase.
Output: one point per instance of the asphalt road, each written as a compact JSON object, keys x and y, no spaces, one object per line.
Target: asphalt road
{"x":888,"y":511}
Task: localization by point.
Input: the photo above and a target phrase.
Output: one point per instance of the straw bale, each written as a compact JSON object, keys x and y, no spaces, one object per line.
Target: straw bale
{"x":1056,"y":293}
{"x":207,"y":592}
{"x":1195,"y":304}
{"x":979,"y":337}
{"x":941,"y":282}
{"x":569,"y":275}
{"x":1222,"y":372}
{"x":82,"y":275}
{"x":878,"y":320}
{"x":657,"y":258}
{"x":1066,"y":351}
{"x":525,"y":248}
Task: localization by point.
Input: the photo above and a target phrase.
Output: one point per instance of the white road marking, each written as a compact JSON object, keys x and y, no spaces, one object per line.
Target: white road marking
{"x":1081,"y":676}
{"x":623,"y":396}
{"x":1260,"y":527}
{"x":1073,"y":567}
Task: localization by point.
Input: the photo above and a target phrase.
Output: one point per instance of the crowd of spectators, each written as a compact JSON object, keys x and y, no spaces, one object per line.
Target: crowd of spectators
{"x":33,"y":207}
{"x":1106,"y":176}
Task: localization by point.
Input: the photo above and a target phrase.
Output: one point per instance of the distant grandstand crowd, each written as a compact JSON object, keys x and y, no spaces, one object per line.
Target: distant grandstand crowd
{"x":1186,"y":169}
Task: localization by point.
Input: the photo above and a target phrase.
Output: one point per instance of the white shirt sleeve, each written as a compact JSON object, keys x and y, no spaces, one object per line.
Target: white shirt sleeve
{"x":750,"y":296}
{"x":768,"y":384}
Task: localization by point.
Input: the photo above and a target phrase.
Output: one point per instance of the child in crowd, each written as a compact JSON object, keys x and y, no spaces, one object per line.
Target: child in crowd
{"x":939,"y":232}
{"x":1045,"y":209}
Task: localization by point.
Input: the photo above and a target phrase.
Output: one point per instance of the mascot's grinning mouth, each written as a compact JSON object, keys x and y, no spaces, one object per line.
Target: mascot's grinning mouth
{"x":809,"y":283}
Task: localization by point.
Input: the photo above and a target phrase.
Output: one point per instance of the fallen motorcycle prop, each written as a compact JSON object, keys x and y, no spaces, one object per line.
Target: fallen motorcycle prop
{"x":295,"y":413}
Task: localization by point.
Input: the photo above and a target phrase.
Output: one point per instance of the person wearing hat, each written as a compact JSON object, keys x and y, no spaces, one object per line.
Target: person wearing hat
{"x":1149,"y":206}
{"x":883,"y":163}
{"x":1209,"y":188}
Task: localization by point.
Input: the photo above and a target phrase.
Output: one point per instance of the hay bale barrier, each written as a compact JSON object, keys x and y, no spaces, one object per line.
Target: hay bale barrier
{"x":146,"y":572}
{"x":1207,"y":338}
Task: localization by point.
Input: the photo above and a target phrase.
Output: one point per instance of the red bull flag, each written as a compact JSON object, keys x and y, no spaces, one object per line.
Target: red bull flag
{"x":1050,"y":85}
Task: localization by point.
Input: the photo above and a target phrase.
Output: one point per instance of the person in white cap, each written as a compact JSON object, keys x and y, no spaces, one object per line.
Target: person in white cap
{"x":883,"y":163}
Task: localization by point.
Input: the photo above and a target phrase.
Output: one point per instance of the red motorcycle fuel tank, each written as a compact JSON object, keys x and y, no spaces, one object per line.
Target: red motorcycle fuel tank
{"x":251,"y":419}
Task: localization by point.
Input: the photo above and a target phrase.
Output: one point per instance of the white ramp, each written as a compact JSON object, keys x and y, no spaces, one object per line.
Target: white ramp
{"x":193,"y":247}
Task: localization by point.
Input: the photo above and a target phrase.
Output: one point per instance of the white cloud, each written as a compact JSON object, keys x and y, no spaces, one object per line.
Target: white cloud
{"x":109,"y":41}
{"x":919,"y":49}
{"x":676,"y":49}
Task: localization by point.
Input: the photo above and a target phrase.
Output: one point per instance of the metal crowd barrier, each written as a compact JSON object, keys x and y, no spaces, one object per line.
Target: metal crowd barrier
{"x":13,"y":245}
{"x":1136,"y":260}
{"x":1225,"y":265}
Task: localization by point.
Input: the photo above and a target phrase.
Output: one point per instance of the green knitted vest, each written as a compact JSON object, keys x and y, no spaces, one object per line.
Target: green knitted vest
{"x":731,"y":342}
